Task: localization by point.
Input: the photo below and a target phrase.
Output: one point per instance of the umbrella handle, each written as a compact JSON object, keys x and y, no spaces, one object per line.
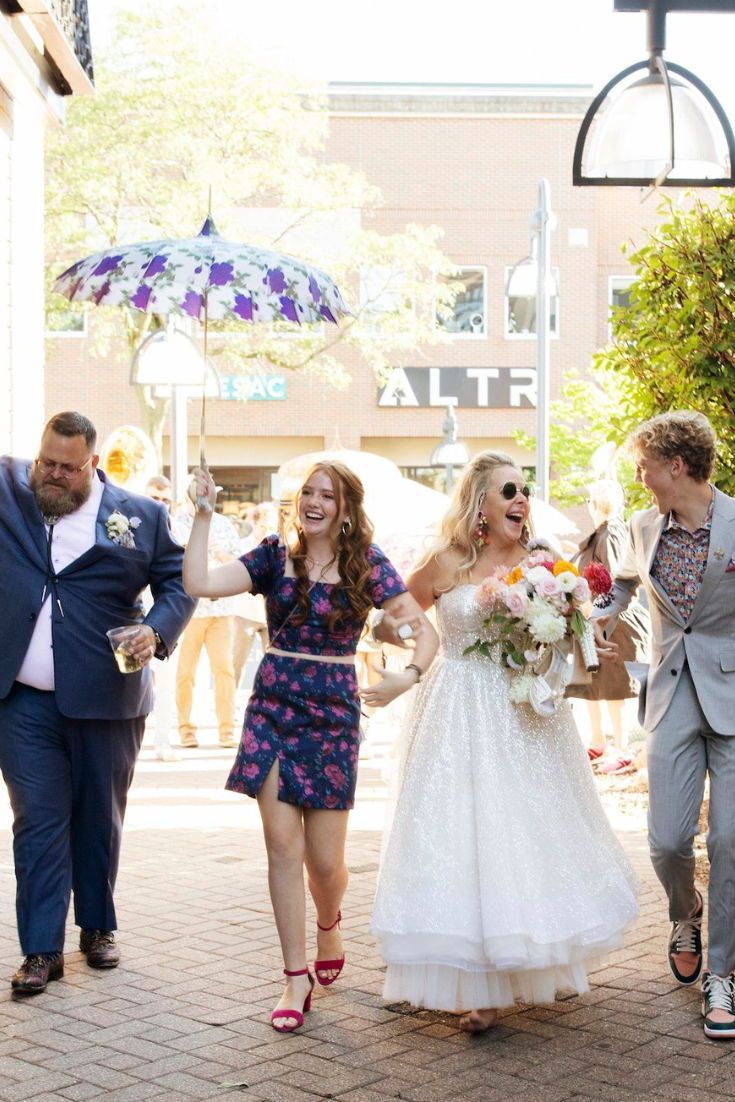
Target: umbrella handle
{"x":202,"y":504}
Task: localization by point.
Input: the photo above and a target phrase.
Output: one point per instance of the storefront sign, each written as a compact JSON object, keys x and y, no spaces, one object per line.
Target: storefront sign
{"x":253,"y":388}
{"x":462,"y":387}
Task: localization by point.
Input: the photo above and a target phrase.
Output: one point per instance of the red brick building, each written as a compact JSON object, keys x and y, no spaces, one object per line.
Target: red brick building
{"x":466,"y":158}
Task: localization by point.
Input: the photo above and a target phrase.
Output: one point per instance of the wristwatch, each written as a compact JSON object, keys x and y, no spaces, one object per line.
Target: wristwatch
{"x":159,"y":640}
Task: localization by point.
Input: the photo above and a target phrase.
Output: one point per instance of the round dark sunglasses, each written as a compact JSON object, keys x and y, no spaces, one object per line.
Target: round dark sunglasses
{"x":509,"y":490}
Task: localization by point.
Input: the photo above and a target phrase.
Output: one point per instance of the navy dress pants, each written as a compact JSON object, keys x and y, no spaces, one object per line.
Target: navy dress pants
{"x":68,"y":782}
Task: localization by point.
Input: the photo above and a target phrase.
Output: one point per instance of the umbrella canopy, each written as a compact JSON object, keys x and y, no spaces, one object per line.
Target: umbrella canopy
{"x":205,"y":277}
{"x":547,"y":520}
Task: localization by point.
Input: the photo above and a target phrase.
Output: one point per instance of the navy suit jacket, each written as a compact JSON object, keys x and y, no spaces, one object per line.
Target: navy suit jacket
{"x":99,"y":590}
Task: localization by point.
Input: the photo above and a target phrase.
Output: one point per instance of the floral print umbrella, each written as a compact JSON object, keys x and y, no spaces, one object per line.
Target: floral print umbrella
{"x":205,"y":277}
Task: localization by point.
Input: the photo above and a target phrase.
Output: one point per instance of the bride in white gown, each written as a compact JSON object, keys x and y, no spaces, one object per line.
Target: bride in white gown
{"x":501,"y":878}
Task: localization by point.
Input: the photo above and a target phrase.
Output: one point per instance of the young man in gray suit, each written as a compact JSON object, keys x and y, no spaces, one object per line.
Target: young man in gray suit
{"x":683,"y":553}
{"x":76,"y":552}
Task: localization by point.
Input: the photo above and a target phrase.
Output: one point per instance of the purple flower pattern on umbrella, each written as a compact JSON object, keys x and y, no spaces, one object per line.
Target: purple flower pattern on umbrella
{"x":220,"y":274}
{"x":71,"y":271}
{"x":100,"y":293}
{"x":141,"y":296}
{"x":276,"y":280}
{"x":192,"y":304}
{"x":239,"y":281}
{"x":108,"y":264}
{"x":243,"y":307}
{"x":288,"y":308}
{"x":314,"y":289}
{"x":156,"y":266}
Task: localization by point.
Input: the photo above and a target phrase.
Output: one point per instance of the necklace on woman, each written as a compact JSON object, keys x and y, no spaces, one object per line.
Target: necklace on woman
{"x":324,"y":565}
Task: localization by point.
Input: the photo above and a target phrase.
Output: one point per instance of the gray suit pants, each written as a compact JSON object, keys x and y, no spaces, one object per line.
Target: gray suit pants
{"x":682,"y":750}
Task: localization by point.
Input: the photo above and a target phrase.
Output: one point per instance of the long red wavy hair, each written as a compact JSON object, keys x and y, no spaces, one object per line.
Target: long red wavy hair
{"x":351,"y":597}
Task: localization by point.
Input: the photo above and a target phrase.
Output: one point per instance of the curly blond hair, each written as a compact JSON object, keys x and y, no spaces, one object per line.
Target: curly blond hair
{"x":681,"y":432}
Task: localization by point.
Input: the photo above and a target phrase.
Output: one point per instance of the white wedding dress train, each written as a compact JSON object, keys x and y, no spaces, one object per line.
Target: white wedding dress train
{"x":501,"y":878}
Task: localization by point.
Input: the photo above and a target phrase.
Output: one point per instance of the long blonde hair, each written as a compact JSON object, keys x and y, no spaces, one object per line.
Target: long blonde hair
{"x":351,"y":550}
{"x":460,"y":519}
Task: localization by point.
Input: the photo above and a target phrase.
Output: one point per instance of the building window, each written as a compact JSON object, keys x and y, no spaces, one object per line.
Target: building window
{"x":520,"y":302}
{"x":618,"y":297}
{"x":66,"y":322}
{"x":467,"y":317}
{"x":433,"y":477}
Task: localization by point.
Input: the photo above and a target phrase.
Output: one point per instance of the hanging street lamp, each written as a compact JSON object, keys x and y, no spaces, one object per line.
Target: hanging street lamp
{"x":656,"y":124}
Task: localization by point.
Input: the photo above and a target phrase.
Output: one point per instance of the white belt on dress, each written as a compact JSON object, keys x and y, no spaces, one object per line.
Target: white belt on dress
{"x":343,"y":659}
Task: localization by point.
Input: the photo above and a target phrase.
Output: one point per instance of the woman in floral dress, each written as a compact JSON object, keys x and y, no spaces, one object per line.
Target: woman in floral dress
{"x":300,"y":742}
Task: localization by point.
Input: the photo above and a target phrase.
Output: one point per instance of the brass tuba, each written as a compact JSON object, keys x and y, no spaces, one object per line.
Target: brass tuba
{"x":128,"y":458}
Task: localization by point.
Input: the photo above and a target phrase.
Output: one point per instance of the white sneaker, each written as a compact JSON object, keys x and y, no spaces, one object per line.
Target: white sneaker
{"x":718,"y":993}
{"x":167,"y":754}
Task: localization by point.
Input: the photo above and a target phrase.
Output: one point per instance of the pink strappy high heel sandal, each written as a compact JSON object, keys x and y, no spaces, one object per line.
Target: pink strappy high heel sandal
{"x":329,"y":965}
{"x":297,"y":1014}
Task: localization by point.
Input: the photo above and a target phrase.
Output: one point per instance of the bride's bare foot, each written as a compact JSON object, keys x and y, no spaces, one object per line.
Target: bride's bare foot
{"x":477,"y":1021}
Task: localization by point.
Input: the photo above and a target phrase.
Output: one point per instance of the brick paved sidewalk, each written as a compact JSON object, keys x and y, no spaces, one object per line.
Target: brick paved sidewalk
{"x":185,"y":1016}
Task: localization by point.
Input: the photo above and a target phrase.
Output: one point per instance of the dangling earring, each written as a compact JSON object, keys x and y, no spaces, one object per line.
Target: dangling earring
{"x":482,"y":528}
{"x":346,"y":526}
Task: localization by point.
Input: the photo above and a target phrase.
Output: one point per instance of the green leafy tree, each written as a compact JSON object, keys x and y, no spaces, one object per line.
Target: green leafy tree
{"x":584,"y":404}
{"x":178,"y":109}
{"x":673,"y":346}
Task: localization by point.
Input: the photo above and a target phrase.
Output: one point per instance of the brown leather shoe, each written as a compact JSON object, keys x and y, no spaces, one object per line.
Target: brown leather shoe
{"x":99,"y":948}
{"x":36,"y":971}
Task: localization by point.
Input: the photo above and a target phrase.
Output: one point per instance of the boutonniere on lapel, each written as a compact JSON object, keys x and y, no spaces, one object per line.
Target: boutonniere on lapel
{"x":121,"y":529}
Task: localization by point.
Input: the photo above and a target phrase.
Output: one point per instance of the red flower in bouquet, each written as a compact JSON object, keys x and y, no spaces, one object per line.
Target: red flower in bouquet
{"x":599,"y":579}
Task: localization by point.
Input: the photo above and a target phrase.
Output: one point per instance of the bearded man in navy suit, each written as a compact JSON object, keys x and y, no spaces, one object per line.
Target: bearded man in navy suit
{"x":76,"y":552}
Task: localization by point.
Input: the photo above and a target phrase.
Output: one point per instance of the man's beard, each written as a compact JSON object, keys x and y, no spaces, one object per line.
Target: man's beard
{"x":55,"y":500}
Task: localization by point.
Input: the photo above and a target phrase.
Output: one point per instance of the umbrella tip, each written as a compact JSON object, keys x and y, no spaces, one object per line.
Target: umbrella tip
{"x":208,"y":229}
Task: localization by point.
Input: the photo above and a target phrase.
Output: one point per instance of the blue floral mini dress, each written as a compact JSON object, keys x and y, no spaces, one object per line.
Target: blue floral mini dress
{"x":305,"y":714}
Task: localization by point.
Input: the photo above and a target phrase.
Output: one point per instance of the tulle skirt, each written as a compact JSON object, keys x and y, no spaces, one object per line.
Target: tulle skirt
{"x":501,"y":878}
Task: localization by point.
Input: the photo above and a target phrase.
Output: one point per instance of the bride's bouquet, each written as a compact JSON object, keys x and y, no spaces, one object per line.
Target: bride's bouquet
{"x":533,"y":615}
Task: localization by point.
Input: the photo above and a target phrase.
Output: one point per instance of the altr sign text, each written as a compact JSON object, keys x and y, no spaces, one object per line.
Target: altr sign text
{"x":462,"y":387}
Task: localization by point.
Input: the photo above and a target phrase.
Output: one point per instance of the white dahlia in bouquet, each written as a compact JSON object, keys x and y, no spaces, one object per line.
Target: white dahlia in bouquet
{"x":534,"y":609}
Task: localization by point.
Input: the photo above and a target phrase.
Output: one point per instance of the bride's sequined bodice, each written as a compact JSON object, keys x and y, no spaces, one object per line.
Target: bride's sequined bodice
{"x":459,"y":620}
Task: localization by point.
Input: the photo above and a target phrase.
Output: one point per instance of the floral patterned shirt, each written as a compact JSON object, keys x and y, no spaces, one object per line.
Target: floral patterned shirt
{"x":266,"y":565}
{"x":680,"y":561}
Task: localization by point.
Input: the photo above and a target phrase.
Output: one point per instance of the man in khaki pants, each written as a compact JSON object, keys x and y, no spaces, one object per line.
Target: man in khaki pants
{"x":683,"y":553}
{"x":211,"y":627}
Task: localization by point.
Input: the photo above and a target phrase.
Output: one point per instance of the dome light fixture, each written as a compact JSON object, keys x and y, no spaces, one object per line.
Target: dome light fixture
{"x":656,"y":124}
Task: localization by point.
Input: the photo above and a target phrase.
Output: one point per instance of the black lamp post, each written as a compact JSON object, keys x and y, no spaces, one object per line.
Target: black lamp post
{"x":663,"y":129}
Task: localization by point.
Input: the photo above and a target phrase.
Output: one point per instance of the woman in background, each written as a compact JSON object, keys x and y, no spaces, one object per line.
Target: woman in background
{"x":612,"y":684}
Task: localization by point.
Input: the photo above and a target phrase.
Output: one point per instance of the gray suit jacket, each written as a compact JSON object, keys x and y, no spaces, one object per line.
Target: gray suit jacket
{"x":706,"y":642}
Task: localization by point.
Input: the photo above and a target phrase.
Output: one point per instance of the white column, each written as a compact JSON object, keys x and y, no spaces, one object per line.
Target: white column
{"x":179,"y":440}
